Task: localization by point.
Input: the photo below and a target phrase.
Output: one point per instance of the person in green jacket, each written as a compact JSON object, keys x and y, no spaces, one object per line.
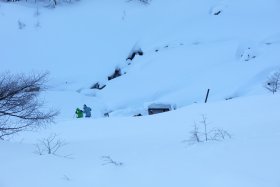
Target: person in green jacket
{"x":79,"y":113}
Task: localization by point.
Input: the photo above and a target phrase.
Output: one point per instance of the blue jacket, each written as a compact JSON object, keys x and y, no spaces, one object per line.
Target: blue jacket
{"x":87,"y":111}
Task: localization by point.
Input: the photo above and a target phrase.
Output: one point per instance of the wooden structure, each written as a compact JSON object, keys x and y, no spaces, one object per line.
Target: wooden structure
{"x":158,"y":108}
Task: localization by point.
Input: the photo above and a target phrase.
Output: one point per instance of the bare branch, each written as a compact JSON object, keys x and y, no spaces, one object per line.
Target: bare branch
{"x":108,"y":160}
{"x":273,"y":82}
{"x":50,"y":145}
{"x":19,"y":103}
{"x":206,"y":135}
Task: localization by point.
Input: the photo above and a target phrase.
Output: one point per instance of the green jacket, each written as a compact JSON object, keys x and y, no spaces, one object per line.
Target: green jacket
{"x":79,"y":113}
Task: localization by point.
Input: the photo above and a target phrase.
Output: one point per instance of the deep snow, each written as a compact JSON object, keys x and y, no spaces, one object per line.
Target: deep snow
{"x":187,"y":50}
{"x":82,"y":43}
{"x":153,"y":151}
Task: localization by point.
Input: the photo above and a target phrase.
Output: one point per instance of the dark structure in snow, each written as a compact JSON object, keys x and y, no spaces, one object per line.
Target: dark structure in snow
{"x":98,"y":86}
{"x":217,"y":13}
{"x":116,"y":74}
{"x":138,"y":115}
{"x":134,"y":53}
{"x":158,"y":108}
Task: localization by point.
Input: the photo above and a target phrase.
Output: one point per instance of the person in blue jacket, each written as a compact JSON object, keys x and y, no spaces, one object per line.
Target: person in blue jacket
{"x":87,"y":111}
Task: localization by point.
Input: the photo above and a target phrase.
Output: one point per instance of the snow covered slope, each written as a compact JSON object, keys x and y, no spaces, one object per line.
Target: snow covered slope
{"x":187,"y":49}
{"x":189,"y":46}
{"x":150,"y":151}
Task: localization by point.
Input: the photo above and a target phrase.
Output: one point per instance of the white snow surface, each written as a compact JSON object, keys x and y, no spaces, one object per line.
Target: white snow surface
{"x":187,"y":50}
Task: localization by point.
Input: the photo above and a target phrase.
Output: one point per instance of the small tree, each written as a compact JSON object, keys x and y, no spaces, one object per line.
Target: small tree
{"x":20,"y":108}
{"x":273,"y":82}
{"x":195,"y":134}
{"x":205,"y":127}
{"x":50,"y":145}
{"x":206,"y":135}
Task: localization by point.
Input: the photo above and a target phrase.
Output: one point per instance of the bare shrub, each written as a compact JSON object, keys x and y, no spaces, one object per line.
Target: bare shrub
{"x":47,"y":3}
{"x":195,"y":137}
{"x":219,"y":134}
{"x":108,"y":160}
{"x":52,"y":3}
{"x":20,"y":108}
{"x":50,"y":145}
{"x":142,"y":1}
{"x":273,"y":82}
{"x":21,"y":25}
{"x":205,"y":135}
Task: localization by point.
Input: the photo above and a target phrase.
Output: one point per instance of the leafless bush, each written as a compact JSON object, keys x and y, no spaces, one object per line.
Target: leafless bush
{"x":47,"y":3}
{"x":52,"y":3}
{"x":20,"y":108}
{"x":50,"y":145}
{"x":219,"y":134}
{"x":21,"y":25}
{"x":142,"y":1}
{"x":195,"y":137}
{"x":273,"y":82}
{"x":205,"y":134}
{"x":205,"y":127}
{"x":108,"y":160}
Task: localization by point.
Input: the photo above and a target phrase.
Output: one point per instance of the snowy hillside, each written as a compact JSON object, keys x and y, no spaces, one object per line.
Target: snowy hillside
{"x":164,"y":52}
{"x":150,"y":151}
{"x":187,"y":49}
